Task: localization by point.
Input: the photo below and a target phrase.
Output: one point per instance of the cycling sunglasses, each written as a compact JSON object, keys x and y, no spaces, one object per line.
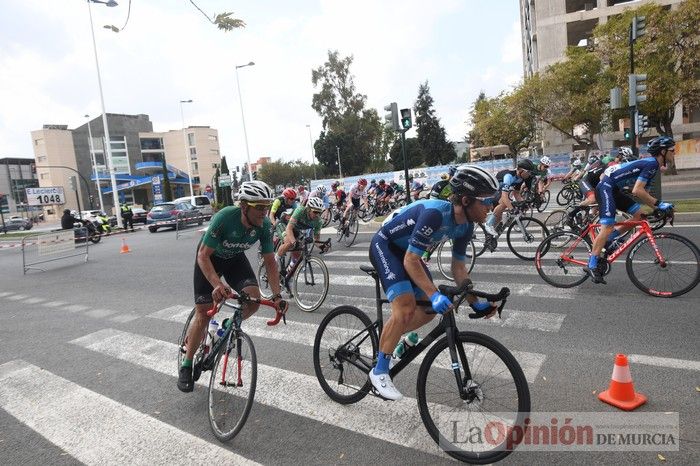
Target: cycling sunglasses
{"x":487,"y":200}
{"x":259,"y":207}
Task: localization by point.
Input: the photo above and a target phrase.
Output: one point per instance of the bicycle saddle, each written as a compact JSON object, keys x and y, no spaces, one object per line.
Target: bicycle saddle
{"x":369,"y":270}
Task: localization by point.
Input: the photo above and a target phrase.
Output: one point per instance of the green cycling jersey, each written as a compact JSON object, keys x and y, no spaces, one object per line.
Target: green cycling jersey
{"x":229,"y":237}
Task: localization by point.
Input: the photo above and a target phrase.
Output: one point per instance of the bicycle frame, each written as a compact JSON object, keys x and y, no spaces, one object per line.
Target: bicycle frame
{"x":645,"y":230}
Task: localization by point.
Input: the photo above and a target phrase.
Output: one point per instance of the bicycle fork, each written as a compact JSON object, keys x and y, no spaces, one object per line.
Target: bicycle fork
{"x":239,"y":362}
{"x":468,"y":389}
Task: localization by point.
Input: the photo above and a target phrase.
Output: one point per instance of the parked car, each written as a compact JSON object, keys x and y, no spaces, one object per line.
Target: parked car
{"x":170,"y":214}
{"x":200,"y":203}
{"x":20,"y":224}
{"x":139,"y":215}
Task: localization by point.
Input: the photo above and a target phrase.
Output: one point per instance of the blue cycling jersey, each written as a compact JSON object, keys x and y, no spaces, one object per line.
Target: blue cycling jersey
{"x":511,"y":182}
{"x":424,"y":223}
{"x":636,"y":170}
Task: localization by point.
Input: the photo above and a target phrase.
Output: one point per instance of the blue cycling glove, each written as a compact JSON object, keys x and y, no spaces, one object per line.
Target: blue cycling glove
{"x":665,"y":206}
{"x":440,"y":302}
{"x":481,"y":309}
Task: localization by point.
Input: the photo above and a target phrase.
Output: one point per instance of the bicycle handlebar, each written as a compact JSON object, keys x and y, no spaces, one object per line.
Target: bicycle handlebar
{"x":467,"y":288}
{"x":243,"y":298}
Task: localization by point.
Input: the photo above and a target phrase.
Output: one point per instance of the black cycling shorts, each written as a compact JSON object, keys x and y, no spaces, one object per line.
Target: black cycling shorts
{"x":236,"y":271}
{"x":355,"y":202}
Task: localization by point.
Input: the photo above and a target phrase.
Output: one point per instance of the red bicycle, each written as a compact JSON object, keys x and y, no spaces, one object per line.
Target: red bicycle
{"x":660,"y":264}
{"x":234,"y":366}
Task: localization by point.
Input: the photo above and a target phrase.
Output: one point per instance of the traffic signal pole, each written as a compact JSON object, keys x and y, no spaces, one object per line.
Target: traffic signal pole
{"x":405,"y":167}
{"x":633,"y":105}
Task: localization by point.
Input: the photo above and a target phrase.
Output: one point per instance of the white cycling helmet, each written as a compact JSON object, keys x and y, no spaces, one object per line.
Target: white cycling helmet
{"x":626,"y":152}
{"x":314,"y":203}
{"x":255,"y":191}
{"x":321,"y":189}
{"x":546,"y":161}
{"x":576,"y":163}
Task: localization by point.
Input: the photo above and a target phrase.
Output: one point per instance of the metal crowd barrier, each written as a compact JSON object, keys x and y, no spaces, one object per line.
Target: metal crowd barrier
{"x":181,"y":226}
{"x":41,"y":248}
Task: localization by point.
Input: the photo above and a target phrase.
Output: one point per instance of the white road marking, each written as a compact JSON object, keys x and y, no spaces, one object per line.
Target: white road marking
{"x":95,"y":429}
{"x":17,"y":297}
{"x":478,"y":267}
{"x":671,"y":363}
{"x":77,"y":308}
{"x":5,"y":293}
{"x":54,"y":304}
{"x":299,"y":394}
{"x":100,"y":313}
{"x":124,"y":318}
{"x":34,"y":300}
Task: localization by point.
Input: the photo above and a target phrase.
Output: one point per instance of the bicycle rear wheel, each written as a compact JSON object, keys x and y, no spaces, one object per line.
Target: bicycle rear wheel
{"x":444,"y":258}
{"x":523,"y":240}
{"x":479,"y":239}
{"x":544,"y":201}
{"x":182,"y":341}
{"x":679,"y":274}
{"x":345,"y":348}
{"x":348,"y":237}
{"x":560,"y":259}
{"x":496,"y":389}
{"x":232,"y":386}
{"x":326,"y":217}
{"x":556,"y":221}
{"x":310,"y":284}
{"x":565,"y":196}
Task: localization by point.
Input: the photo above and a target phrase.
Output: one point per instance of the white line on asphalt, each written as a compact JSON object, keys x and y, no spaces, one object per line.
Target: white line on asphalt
{"x":499,"y":254}
{"x":124,"y":318}
{"x":5,"y":293}
{"x":665,"y":362}
{"x":34,"y":300}
{"x":304,"y":334}
{"x":54,"y":304}
{"x":95,"y":429}
{"x":175,"y":313}
{"x":397,"y":422}
{"x":100,"y":313}
{"x":17,"y":297}
{"x":520,"y":289}
{"x":478,"y":267}
{"x":77,"y":308}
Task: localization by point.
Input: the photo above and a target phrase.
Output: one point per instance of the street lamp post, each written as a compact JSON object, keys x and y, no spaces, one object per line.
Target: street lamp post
{"x":311,"y":143}
{"x":108,"y":144}
{"x":187,"y":148}
{"x":245,"y":135}
{"x":340,"y":169}
{"x":94,"y":164}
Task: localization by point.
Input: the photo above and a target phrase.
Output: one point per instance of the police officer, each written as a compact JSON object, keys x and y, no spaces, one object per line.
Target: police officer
{"x":127,"y":216}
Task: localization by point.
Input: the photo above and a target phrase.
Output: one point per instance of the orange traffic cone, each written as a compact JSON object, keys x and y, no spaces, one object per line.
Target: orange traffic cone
{"x":621,"y":392}
{"x":125,"y":247}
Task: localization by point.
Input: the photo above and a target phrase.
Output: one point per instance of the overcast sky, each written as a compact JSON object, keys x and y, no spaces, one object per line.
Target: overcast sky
{"x":168,"y":52}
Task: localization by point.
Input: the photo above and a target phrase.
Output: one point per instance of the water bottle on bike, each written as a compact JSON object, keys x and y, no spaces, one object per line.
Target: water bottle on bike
{"x":408,"y":341}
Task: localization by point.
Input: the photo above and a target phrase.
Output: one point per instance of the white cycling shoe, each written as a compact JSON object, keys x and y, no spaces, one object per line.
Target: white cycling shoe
{"x":383,"y":384}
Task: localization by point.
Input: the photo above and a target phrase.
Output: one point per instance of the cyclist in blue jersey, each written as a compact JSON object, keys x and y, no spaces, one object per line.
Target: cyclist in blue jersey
{"x":610,"y":197}
{"x":396,"y":250}
{"x":510,"y":180}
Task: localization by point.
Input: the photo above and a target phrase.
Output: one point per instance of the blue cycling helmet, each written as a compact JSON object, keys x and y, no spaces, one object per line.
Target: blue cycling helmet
{"x":656,"y":145}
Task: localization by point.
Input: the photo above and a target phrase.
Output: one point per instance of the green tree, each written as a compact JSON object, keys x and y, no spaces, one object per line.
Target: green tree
{"x":337,"y":97}
{"x":287,"y":173}
{"x":218,"y":190}
{"x":669,"y":54}
{"x":502,"y":121}
{"x":570,"y":96}
{"x":473,"y":138}
{"x":226,"y":197}
{"x":223,"y":21}
{"x":414,"y":154}
{"x":432,"y":138}
{"x":167,"y":191}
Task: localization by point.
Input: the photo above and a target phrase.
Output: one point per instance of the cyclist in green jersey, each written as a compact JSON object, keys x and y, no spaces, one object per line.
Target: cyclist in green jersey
{"x":442,"y":189}
{"x":221,"y":252}
{"x":302,"y":219}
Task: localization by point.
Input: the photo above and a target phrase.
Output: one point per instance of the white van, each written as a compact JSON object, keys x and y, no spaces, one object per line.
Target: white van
{"x":200,"y":203}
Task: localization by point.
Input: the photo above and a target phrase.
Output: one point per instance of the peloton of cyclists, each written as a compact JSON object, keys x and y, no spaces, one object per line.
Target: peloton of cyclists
{"x":510,"y":181}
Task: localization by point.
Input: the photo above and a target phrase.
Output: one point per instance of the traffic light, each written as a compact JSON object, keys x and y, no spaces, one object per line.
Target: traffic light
{"x":642,"y":123}
{"x":639,"y":25}
{"x":391,"y":119}
{"x":255,"y":175}
{"x":406,"y":120}
{"x":637,"y":85}
{"x":72,"y":184}
{"x":628,"y":134}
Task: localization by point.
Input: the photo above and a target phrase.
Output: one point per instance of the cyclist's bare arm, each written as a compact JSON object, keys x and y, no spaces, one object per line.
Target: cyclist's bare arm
{"x":460,"y":274}
{"x":413,"y":264}
{"x":289,"y":232}
{"x":642,"y":194}
{"x":221,"y":291}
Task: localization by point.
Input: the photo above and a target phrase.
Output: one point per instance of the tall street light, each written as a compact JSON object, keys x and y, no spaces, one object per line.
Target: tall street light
{"x":245,"y":135}
{"x":94,"y":164}
{"x":187,"y":146}
{"x":107,"y":144}
{"x":311,"y":143}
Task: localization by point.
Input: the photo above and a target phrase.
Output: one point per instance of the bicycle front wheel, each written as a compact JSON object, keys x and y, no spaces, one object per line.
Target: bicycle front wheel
{"x":479,"y":239}
{"x":444,"y":258}
{"x":263,"y":282}
{"x":544,"y":201}
{"x":326,"y":217}
{"x":232,"y":386}
{"x":524,"y":235}
{"x":310,"y":284}
{"x":496,"y":392}
{"x":560,"y":259}
{"x":345,"y":348}
{"x":348,"y":237}
{"x":565,"y":196}
{"x":182,"y":341}
{"x":556,"y":221}
{"x":676,"y":275}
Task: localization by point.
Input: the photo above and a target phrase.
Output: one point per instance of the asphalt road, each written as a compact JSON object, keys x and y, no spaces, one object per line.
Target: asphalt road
{"x":87,"y":363}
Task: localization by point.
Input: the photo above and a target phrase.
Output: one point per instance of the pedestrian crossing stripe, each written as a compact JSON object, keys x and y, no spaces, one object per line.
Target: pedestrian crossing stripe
{"x":95,"y":429}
